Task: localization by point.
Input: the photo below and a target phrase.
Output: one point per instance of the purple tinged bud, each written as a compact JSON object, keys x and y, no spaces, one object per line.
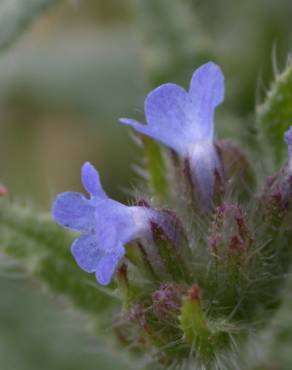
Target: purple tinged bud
{"x":229,"y":231}
{"x":215,"y":241}
{"x":219,"y":188}
{"x":3,"y":191}
{"x":170,"y":240}
{"x":238,"y":174}
{"x":194,"y":293}
{"x":275,"y":199}
{"x":236,"y":244}
{"x":137,"y":314}
{"x":173,"y":228}
{"x":167,"y":300}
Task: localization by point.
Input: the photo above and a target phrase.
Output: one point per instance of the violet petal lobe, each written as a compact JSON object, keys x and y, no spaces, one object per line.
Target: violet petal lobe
{"x":207,"y":92}
{"x":91,"y":181}
{"x":73,"y":211}
{"x":87,"y":252}
{"x":91,"y":258}
{"x":170,"y":117}
{"x":117,"y":220}
{"x":178,"y":118}
{"x":288,"y":136}
{"x":106,"y":268}
{"x":288,"y":141}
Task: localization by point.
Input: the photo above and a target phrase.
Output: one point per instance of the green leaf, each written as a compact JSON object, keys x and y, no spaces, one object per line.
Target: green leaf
{"x":156,"y":167}
{"x":44,"y":249}
{"x":275,"y":114}
{"x":16,"y":16}
{"x":47,"y":337}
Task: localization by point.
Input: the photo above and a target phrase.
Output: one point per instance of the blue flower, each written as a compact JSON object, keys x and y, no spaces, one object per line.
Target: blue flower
{"x":288,"y":138}
{"x":184,"y":122}
{"x":105,"y":225}
{"x":288,"y":141}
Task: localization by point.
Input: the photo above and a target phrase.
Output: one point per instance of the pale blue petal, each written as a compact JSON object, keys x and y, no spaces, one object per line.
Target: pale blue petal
{"x":106,"y":268}
{"x":138,"y":126}
{"x":179,"y":119}
{"x":73,"y":211}
{"x":91,"y":181}
{"x":288,"y":136}
{"x":87,"y":252}
{"x":207,"y":92}
{"x":288,"y":141}
{"x":116,"y":221}
{"x":91,"y":258}
{"x":170,"y":117}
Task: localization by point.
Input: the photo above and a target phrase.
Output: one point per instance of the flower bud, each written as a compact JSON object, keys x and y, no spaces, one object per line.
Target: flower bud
{"x":124,"y":286}
{"x":231,"y":242}
{"x":167,"y":300}
{"x":169,"y":239}
{"x":274,"y":202}
{"x":3,"y":191}
{"x":229,"y":230}
{"x":238,"y":175}
{"x":194,"y":325}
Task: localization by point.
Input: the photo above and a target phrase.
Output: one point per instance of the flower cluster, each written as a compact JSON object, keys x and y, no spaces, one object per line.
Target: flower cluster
{"x":186,"y":275}
{"x":182,"y":121}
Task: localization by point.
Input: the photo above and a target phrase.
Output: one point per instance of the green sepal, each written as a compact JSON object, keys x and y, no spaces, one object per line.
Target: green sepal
{"x":194,"y":325}
{"x":205,"y":338}
{"x":171,"y":256}
{"x":136,"y":253}
{"x":156,"y":167}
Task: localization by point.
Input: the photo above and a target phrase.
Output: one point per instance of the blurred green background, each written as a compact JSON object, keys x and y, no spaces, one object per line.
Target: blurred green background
{"x":65,"y":81}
